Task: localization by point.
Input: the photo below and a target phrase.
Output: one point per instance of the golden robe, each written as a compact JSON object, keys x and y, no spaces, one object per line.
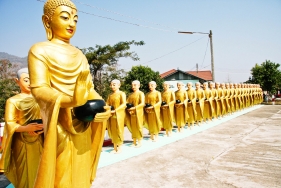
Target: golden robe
{"x":71,"y":150}
{"x":134,"y":121}
{"x":181,"y":114}
{"x":208,"y":107}
{"x":220,"y":102}
{"x":215,"y":105}
{"x":115,"y":124}
{"x":227,"y":95}
{"x":200,"y":104}
{"x":191,"y":106}
{"x":21,"y":151}
{"x":167,"y":112}
{"x":152,"y":119}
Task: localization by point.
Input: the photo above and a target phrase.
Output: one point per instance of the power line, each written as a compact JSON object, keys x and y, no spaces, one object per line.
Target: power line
{"x":120,"y":14}
{"x":174,"y":50}
{"x":205,"y":52}
{"x":121,"y":21}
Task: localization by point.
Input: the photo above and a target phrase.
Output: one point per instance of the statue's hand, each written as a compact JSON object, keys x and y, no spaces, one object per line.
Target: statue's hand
{"x":82,"y":88}
{"x":100,"y":117}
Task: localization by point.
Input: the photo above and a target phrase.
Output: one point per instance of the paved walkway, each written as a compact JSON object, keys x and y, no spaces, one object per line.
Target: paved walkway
{"x":241,"y":150}
{"x":244,"y":151}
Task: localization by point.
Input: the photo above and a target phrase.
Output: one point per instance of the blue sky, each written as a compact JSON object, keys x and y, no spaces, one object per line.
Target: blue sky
{"x":245,"y":32}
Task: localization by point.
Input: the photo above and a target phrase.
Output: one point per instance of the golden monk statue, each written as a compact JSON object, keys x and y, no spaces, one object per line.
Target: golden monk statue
{"x":60,"y":80}
{"x":181,"y":114}
{"x":115,"y":124}
{"x":167,"y":108}
{"x":220,"y":101}
{"x":229,"y":98}
{"x":226,"y":99}
{"x":22,"y":141}
{"x":200,"y":98}
{"x":152,"y":111}
{"x":215,"y":98}
{"x":134,"y":113}
{"x":208,"y":105}
{"x":191,"y":105}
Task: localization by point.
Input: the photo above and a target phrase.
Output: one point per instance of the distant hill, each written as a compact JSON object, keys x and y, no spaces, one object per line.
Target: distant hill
{"x":14,"y":59}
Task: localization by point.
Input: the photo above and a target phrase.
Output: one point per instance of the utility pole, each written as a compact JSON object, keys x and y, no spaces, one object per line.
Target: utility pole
{"x":211,"y":48}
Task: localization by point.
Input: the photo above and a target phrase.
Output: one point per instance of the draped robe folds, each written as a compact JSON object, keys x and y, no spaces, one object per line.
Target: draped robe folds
{"x":191,"y":106}
{"x":220,"y":102}
{"x":152,"y":116}
{"x":200,"y":104}
{"x":208,"y":107}
{"x":226,"y":101}
{"x":181,"y":114}
{"x":167,"y":112}
{"x":21,"y":151}
{"x":71,"y":147}
{"x":115,"y":124}
{"x":134,"y":121}
{"x":233,"y":101}
{"x":215,"y":104}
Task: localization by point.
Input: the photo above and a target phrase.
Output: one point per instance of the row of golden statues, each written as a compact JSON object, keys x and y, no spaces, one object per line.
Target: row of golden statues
{"x":156,"y":110}
{"x":62,"y":151}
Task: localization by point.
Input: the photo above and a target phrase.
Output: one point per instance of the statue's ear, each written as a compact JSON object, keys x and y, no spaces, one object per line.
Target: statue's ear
{"x":46,"y":23}
{"x":17,"y":80}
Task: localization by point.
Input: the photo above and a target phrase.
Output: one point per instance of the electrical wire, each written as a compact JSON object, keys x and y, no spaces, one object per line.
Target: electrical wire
{"x":121,"y":21}
{"x":123,"y":15}
{"x":174,"y":50}
{"x":205,"y":52}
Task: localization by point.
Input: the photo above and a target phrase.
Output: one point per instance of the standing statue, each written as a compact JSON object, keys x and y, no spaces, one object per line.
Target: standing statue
{"x":200,"y":98}
{"x":215,"y":104}
{"x":134,"y":113}
{"x":22,"y":140}
{"x":115,"y":124}
{"x":220,"y":101}
{"x":181,"y":114}
{"x":152,"y":111}
{"x":60,"y":81}
{"x":191,"y":105}
{"x":167,"y":108}
{"x":208,"y":107}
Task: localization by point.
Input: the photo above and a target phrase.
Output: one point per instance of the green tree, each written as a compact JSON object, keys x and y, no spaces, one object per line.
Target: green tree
{"x":103,"y":58}
{"x":8,"y":86}
{"x":267,"y":75}
{"x":143,"y":74}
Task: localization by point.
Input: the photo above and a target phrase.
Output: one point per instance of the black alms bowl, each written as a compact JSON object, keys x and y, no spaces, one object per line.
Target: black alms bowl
{"x":163,"y":103}
{"x":38,"y":121}
{"x":147,"y":105}
{"x":129,"y":105}
{"x":178,"y":101}
{"x":88,"y":111}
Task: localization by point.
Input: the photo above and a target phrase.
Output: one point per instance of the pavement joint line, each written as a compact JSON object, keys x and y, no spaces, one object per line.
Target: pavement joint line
{"x":107,"y":158}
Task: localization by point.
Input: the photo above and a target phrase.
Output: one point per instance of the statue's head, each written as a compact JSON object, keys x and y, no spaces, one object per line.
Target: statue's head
{"x":166,"y":85}
{"x":23,"y":80}
{"x":60,"y":19}
{"x":115,"y":85}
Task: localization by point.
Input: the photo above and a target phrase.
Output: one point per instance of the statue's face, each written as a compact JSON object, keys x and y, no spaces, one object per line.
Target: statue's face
{"x":152,"y":87}
{"x":179,"y":86}
{"x":197,"y":86}
{"x":189,"y":85}
{"x":135,"y":86}
{"x":205,"y":86}
{"x":63,"y":23}
{"x":166,"y":86}
{"x":114,"y":86}
{"x":217,"y":85}
{"x":24,"y":83}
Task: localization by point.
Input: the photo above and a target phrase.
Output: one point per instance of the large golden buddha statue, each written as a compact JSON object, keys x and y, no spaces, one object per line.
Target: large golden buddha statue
{"x":60,"y":80}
